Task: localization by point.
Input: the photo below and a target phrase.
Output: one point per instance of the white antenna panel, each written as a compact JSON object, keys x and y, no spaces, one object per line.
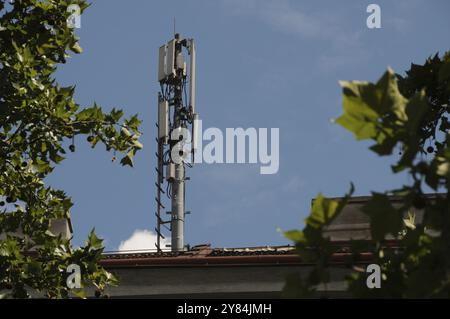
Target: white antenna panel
{"x":162,"y":63}
{"x":170,"y":61}
{"x":163,"y":121}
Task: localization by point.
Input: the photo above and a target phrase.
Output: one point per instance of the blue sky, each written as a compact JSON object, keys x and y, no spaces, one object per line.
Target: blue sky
{"x":259,"y":64}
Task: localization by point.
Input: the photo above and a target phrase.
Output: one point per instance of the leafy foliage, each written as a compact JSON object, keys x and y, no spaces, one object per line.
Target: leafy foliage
{"x":39,"y":121}
{"x":313,"y":247}
{"x":410,"y":113}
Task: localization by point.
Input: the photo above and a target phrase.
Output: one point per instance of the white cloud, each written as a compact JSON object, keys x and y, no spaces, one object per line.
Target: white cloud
{"x":344,"y":44}
{"x":294,"y":185}
{"x":281,"y":15}
{"x":141,"y":240}
{"x":284,"y":17}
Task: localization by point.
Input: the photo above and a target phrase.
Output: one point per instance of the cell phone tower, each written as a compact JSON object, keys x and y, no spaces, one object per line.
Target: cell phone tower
{"x":177,"y":123}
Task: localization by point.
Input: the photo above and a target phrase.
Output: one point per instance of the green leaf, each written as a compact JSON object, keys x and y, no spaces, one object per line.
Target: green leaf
{"x":76,"y":48}
{"x":410,"y":221}
{"x":322,"y":213}
{"x":384,"y":218}
{"x":116,"y":114}
{"x":358,"y":118}
{"x":295,"y":235}
{"x":444,"y":72}
{"x":133,"y":123}
{"x":85,"y":114}
{"x":128,"y":159}
{"x":416,"y":109}
{"x":375,"y":111}
{"x":137,"y":145}
{"x":80,"y":293}
{"x":94,"y":241}
{"x":125,"y":132}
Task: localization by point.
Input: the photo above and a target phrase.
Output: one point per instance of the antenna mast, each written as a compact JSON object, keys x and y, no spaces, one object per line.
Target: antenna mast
{"x":176,"y":121}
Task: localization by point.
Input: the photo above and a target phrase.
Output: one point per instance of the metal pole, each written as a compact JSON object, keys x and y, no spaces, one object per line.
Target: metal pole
{"x":178,"y":209}
{"x":177,"y":221}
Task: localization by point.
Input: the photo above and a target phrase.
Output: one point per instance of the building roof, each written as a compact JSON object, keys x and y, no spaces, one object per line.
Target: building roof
{"x":204,"y":255}
{"x":351,"y":224}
